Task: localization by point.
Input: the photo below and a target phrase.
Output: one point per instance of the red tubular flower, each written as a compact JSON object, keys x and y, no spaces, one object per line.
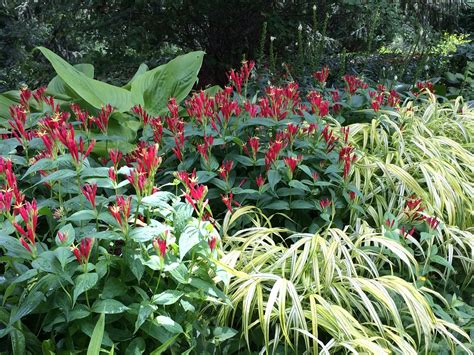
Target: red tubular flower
{"x":18,"y":122}
{"x":292,"y":162}
{"x":25,"y":244}
{"x":335,"y":98}
{"x":322,"y":75}
{"x":260,"y":180}
{"x":160,"y":246}
{"x":432,"y":222}
{"x":82,"y":116}
{"x":225,"y":169}
{"x":157,"y":126}
{"x":405,"y":234}
{"x":389,"y":223}
{"x":413,"y":208}
{"x":102,"y":119}
{"x":62,"y":237}
{"x":29,"y":214}
{"x":228,"y":201}
{"x":115,"y":156}
{"x":212,"y":243}
{"x":345,"y":133}
{"x":353,"y":83}
{"x":90,"y":192}
{"x":352,"y":195}
{"x":83,"y":252}
{"x":25,"y":96}
{"x":115,"y":212}
{"x":145,"y":117}
{"x":237,"y":79}
{"x":324,"y":203}
{"x":251,"y":109}
{"x":329,"y":138}
{"x":393,"y":98}
{"x":173,"y":107}
{"x":39,"y":93}
{"x":254,"y":143}
{"x":6,"y":200}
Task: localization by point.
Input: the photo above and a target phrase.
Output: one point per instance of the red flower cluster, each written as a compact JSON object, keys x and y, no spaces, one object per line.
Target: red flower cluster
{"x":29,"y":213}
{"x":159,"y":244}
{"x":90,"y":192}
{"x":194,"y":193}
{"x":325,"y":203}
{"x":82,"y":253}
{"x":414,"y":209}
{"x":279,"y":101}
{"x":143,"y":175}
{"x":322,"y":75}
{"x":353,"y":83}
{"x":292,"y":162}
{"x":225,"y":169}
{"x":318,"y":104}
{"x":424,"y":85}
{"x":347,"y":155}
{"x":273,"y":151}
{"x":329,"y":138}
{"x":241,"y":78}
{"x":432,"y":222}
{"x":121,"y":210}
{"x":406,"y":234}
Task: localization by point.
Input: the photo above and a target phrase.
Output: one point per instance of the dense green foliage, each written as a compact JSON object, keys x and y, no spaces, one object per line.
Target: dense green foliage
{"x":149,"y":219}
{"x":118,"y":35}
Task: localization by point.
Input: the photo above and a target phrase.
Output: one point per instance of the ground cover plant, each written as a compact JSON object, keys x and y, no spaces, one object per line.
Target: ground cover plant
{"x":148,"y":218}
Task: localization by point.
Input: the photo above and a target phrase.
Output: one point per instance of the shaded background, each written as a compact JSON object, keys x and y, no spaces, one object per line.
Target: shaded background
{"x":116,"y":36}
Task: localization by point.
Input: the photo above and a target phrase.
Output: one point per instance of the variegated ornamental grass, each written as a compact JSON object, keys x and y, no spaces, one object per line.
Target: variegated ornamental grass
{"x":333,"y":291}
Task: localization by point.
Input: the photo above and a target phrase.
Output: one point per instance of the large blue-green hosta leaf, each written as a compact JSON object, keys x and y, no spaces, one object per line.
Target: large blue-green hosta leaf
{"x":153,"y":88}
{"x":94,"y":92}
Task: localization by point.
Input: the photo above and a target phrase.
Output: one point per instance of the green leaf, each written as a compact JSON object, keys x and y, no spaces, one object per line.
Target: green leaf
{"x":136,"y":347}
{"x":42,"y":164}
{"x":18,"y":342}
{"x":143,"y":313}
{"x":97,"y":336}
{"x":143,"y":68}
{"x":205,"y":176}
{"x":27,"y":306}
{"x":298,"y":185}
{"x":144,"y":234}
{"x":94,"y":92}
{"x":224,"y":333}
{"x":109,"y":306}
{"x":82,"y":216}
{"x":208,"y":288}
{"x":83,"y":283}
{"x":273,"y":178}
{"x":57,"y":176}
{"x":167,"y":297}
{"x":278,"y":205}
{"x":188,"y":239}
{"x":169,"y":324}
{"x":154,"y":88}
{"x":159,"y":350}
{"x":301,"y":205}
{"x":58,"y":88}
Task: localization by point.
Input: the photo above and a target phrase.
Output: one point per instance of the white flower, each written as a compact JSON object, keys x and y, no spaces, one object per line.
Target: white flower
{"x":272,"y":38}
{"x":395,"y":78}
{"x":426,"y":67}
{"x":300,"y":27}
{"x":314,"y":7}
